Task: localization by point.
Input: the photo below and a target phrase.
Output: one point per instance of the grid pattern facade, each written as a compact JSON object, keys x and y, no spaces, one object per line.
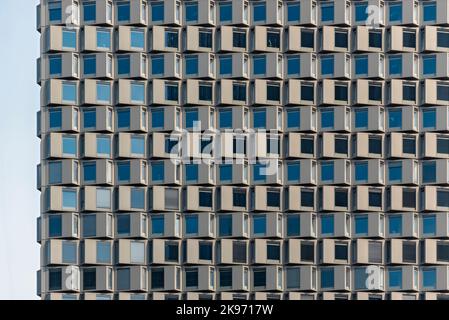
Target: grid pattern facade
{"x":335,"y":115}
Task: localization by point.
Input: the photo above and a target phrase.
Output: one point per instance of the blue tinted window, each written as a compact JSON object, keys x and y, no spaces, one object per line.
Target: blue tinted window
{"x":191,"y":222}
{"x":225,"y":225}
{"x":157,"y":118}
{"x":429,"y":278}
{"x":361,"y":225}
{"x":361,"y":171}
{"x":395,"y":225}
{"x":259,"y":11}
{"x":429,"y":64}
{"x":138,"y":92}
{"x":157,"y":65}
{"x":361,"y":118}
{"x":225,"y":65}
{"x":293,"y":118}
{"x":396,"y":11}
{"x":55,"y":65}
{"x":89,"y":11}
{"x":157,"y":225}
{"x":294,"y":171}
{"x":395,"y":118}
{"x":429,"y":224}
{"x":90,"y":64}
{"x":225,"y":118}
{"x":137,"y":39}
{"x":55,"y":118}
{"x":123,"y":171}
{"x":90,"y":118}
{"x":429,"y":171}
{"x":54,"y":225}
{"x":395,"y":171}
{"x":327,"y":171}
{"x":395,"y":278}
{"x":259,"y":224}
{"x":123,"y":11}
{"x":138,"y":145}
{"x":327,"y":118}
{"x":327,"y":65}
{"x":123,"y":224}
{"x":225,"y":11}
{"x":429,"y":11}
{"x":293,"y":225}
{"x":69,"y":39}
{"x":327,"y":12}
{"x":429,"y":118}
{"x":327,"y":277}
{"x":191,"y":172}
{"x":103,"y":252}
{"x":171,"y":38}
{"x":191,"y":11}
{"x":69,"y":92}
{"x":103,"y":92}
{"x":157,"y":171}
{"x":157,"y":11}
{"x":327,"y":224}
{"x":293,"y":11}
{"x":103,"y":39}
{"x":123,"y":118}
{"x":103,"y":145}
{"x":361,"y":11}
{"x":137,"y":198}
{"x":225,"y":172}
{"x":54,"y":11}
{"x":123,"y":64}
{"x":191,"y":118}
{"x":69,"y":252}
{"x":293,"y":65}
{"x":259,"y":172}
{"x":259,"y":64}
{"x":260,"y":118}
{"x":69,"y":199}
{"x":361,"y":65}
{"x":395,"y":65}
{"x":69,"y":145}
{"x":55,"y":172}
{"x":171,"y":91}
{"x":191,"y":65}
{"x":90,"y":171}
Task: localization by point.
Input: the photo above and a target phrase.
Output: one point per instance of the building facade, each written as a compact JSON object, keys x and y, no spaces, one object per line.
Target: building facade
{"x":243,"y":149}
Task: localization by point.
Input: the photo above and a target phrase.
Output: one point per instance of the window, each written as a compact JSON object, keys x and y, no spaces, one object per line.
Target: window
{"x":205,"y":38}
{"x":395,"y":224}
{"x":103,"y":38}
{"x":273,"y":198}
{"x":69,"y":145}
{"x":55,"y":64}
{"x":395,"y":171}
{"x":191,"y":279}
{"x":375,"y":39}
{"x":225,"y":225}
{"x":138,"y":92}
{"x":294,"y":171}
{"x":395,"y":11}
{"x":273,"y":91}
{"x":442,"y":198}
{"x":225,"y":118}
{"x":157,"y":225}
{"x":259,"y":118}
{"x":55,"y":172}
{"x":225,"y":65}
{"x":429,"y":66}
{"x":157,"y":278}
{"x":138,"y":145}
{"x":259,"y":11}
{"x":273,"y":39}
{"x":429,"y":171}
{"x":429,"y":225}
{"x":429,"y":116}
{"x":104,"y":145}
{"x":69,"y":92}
{"x":293,"y":65}
{"x":327,"y":11}
{"x":429,"y":11}
{"x":90,"y":171}
{"x":103,"y":92}
{"x":307,"y":198}
{"x":443,"y":251}
{"x":327,"y":118}
{"x":293,"y":225}
{"x":54,"y":226}
{"x":361,"y":171}
{"x":341,"y":144}
{"x":361,"y":11}
{"x":54,"y":279}
{"x":442,"y":91}
{"x":341,"y":251}
{"x":341,"y":39}
{"x":307,"y":38}
{"x":395,"y":65}
{"x":409,"y":251}
{"x":409,"y":198}
{"x":327,"y":65}
{"x":395,"y":118}
{"x":361,"y":65}
{"x":69,"y":199}
{"x":157,"y":11}
{"x":90,"y":64}
{"x":225,"y":9}
{"x":123,"y":118}
{"x":123,"y":64}
{"x":239,"y":38}
{"x":327,"y":277}
{"x":171,"y":91}
{"x":341,"y":197}
{"x":239,"y":197}
{"x":55,"y":118}
{"x":259,"y":64}
{"x":273,"y":251}
{"x":327,"y":224}
{"x":225,"y":172}
{"x":239,"y":252}
{"x":361,"y":118}
{"x":341,"y":91}
{"x":409,"y":145}
{"x":103,"y":198}
{"x":307,"y":251}
{"x":191,"y":118}
{"x":205,"y":91}
{"x":259,"y":277}
{"x":171,"y":38}
{"x":157,"y":119}
{"x":429,"y":278}
{"x":307,"y":91}
{"x":205,"y":250}
{"x":123,"y":224}
{"x":54,"y":11}
{"x":124,"y":171}
{"x":409,"y":38}
{"x":123,"y":11}
{"x":137,"y":198}
{"x":375,"y":198}
{"x":293,"y":11}
{"x":239,"y":91}
{"x":259,"y":224}
{"x":89,"y":225}
{"x":361,"y":225}
{"x":191,"y":11}
{"x":205,"y":198}
{"x":327,"y":171}
{"x":293,"y":118}
{"x":307,"y":145}
{"x":409,"y":91}
{"x":69,"y":39}
{"x":375,"y":91}
{"x":442,"y":145}
{"x":157,"y":171}
{"x":395,"y":278}
{"x":375,"y":144}
{"x":157,"y":65}
{"x":103,"y":252}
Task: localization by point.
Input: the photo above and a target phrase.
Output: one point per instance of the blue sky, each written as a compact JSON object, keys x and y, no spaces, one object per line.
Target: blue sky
{"x":19,"y":149}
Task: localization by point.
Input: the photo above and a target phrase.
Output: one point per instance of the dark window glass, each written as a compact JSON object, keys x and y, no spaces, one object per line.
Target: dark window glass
{"x":443,"y":198}
{"x":443,"y":251}
{"x":205,"y":39}
{"x":341,"y":251}
{"x":409,"y":252}
{"x":442,"y":39}
{"x":409,"y":198}
{"x":260,"y":277}
{"x":341,"y":92}
{"x":239,"y":39}
{"x":273,"y":39}
{"x":274,"y":92}
{"x":205,"y":92}
{"x":191,"y":277}
{"x":409,"y":39}
{"x":409,"y":92}
{"x":443,"y":92}
{"x":226,"y":277}
{"x":375,"y":39}
{"x":157,"y":278}
{"x":307,"y":198}
{"x":341,"y":145}
{"x":205,"y":198}
{"x":90,"y":279}
{"x":341,"y":39}
{"x":307,"y":251}
{"x":375,"y":92}
{"x":341,"y":198}
{"x":273,"y":251}
{"x":239,"y":198}
{"x":239,"y":91}
{"x":307,"y":92}
{"x":54,"y":279}
{"x":205,"y":250}
{"x":307,"y":38}
{"x":375,"y":145}
{"x":307,"y":145}
{"x":375,"y":199}
{"x":273,"y":198}
{"x":409,"y":145}
{"x":443,"y":145}
{"x":171,"y":251}
{"x":239,"y":254}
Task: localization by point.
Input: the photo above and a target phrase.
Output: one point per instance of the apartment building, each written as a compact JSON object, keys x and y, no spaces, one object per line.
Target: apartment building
{"x":333,"y":117}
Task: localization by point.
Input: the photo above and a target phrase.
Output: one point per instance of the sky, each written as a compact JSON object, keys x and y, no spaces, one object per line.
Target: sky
{"x":19,"y":149}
